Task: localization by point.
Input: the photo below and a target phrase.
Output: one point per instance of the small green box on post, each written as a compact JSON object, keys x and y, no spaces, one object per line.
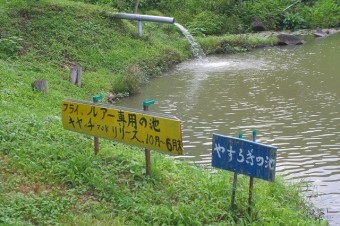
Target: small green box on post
{"x":97,"y":98}
{"x":147,"y":103}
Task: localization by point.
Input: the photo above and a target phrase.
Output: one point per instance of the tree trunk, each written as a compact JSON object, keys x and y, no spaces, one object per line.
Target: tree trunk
{"x":135,"y":9}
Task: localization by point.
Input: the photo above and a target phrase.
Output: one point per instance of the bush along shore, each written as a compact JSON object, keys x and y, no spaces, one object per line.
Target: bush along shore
{"x":50,"y":176}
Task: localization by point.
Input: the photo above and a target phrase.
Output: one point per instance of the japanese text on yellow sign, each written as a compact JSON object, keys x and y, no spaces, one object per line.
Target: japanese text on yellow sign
{"x":146,"y":129}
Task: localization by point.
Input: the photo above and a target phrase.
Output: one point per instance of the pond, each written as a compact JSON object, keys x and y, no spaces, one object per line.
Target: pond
{"x":289,"y":95}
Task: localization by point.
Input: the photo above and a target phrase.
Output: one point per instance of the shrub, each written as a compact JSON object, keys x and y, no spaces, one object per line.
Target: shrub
{"x":324,"y":13}
{"x":293,"y":21}
{"x":9,"y":46}
{"x":101,"y":2}
{"x":128,"y":5}
{"x":234,"y":25}
{"x":206,"y":23}
{"x":268,"y":11}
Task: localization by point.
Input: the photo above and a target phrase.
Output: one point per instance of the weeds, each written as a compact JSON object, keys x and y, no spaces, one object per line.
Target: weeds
{"x":234,"y":43}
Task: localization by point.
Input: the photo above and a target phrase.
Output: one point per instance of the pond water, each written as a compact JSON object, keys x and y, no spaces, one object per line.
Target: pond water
{"x":289,"y":95}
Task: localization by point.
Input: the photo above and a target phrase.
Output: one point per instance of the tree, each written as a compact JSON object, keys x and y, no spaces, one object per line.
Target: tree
{"x":135,"y":9}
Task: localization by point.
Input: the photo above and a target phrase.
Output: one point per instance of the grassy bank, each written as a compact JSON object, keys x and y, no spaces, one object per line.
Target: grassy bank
{"x":50,"y":176}
{"x":64,"y":33}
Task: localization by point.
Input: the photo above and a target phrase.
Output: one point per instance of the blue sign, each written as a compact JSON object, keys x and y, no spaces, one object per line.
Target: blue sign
{"x":243,"y":156}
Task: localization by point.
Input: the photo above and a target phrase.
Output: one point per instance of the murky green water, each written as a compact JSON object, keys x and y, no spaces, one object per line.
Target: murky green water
{"x":290,"y":95}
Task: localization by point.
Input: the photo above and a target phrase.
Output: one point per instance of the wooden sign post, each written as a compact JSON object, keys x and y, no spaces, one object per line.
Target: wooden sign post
{"x":233,"y":194}
{"x":96,"y":139}
{"x":146,"y":105}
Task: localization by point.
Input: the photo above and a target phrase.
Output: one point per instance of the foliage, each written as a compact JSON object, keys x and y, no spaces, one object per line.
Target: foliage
{"x":96,"y":1}
{"x":234,"y":43}
{"x":234,"y":25}
{"x":275,"y":14}
{"x":267,"y":11}
{"x":191,"y":10}
{"x":206,"y":23}
{"x":93,"y":40}
{"x":324,"y":13}
{"x":213,"y":17}
{"x":124,"y":5}
{"x":9,"y":46}
{"x":293,"y":21}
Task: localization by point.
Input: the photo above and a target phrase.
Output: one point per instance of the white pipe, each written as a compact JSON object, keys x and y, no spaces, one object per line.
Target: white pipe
{"x":139,"y":17}
{"x":140,"y":28}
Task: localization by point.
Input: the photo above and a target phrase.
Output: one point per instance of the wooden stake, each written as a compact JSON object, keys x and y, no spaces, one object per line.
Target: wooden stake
{"x":233,"y":194}
{"x":96,"y":139}
{"x":96,"y":145}
{"x":40,"y":85}
{"x":75,"y":75}
{"x":146,"y":105}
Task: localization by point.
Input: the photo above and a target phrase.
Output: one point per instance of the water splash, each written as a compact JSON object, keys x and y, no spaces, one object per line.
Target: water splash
{"x":196,"y":49}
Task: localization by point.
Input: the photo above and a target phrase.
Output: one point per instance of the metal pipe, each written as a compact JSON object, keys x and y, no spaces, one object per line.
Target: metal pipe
{"x":251,"y":183}
{"x":140,"y":28}
{"x":139,"y":17}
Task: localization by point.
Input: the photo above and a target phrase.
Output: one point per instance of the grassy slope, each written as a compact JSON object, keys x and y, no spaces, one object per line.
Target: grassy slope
{"x":50,"y":176}
{"x":62,"y":34}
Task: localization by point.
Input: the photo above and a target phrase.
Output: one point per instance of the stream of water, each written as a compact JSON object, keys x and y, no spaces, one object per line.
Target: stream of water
{"x":196,"y":49}
{"x":290,"y":95}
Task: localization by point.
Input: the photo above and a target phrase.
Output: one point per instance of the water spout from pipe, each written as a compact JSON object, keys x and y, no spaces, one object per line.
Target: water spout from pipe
{"x":196,"y":49}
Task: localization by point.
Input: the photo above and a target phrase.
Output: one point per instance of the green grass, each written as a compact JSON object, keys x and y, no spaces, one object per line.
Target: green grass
{"x":50,"y":176}
{"x":73,"y":186}
{"x":235,"y":43}
{"x":62,"y":35}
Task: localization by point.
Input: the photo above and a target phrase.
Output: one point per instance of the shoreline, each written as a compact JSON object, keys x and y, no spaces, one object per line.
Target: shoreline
{"x":227,"y":44}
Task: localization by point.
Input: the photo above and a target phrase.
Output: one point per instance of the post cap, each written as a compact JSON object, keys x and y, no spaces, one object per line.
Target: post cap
{"x":98,"y":97}
{"x":147,"y":103}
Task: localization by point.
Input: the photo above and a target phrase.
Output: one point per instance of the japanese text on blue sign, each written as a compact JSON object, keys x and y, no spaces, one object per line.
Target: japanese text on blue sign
{"x":243,"y":156}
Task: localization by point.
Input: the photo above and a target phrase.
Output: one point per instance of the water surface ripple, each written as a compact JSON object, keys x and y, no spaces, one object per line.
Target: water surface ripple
{"x":291,"y":96}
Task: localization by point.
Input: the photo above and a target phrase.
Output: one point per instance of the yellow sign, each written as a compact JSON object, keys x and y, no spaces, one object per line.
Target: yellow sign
{"x":142,"y":128}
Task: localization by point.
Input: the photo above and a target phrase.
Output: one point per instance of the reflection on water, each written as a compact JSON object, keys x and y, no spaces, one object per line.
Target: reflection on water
{"x":290,"y":96}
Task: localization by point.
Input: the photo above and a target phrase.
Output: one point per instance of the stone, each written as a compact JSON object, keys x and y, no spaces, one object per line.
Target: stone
{"x":320,"y":33}
{"x":286,"y":39}
{"x":257,"y":25}
{"x":40,"y":85}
